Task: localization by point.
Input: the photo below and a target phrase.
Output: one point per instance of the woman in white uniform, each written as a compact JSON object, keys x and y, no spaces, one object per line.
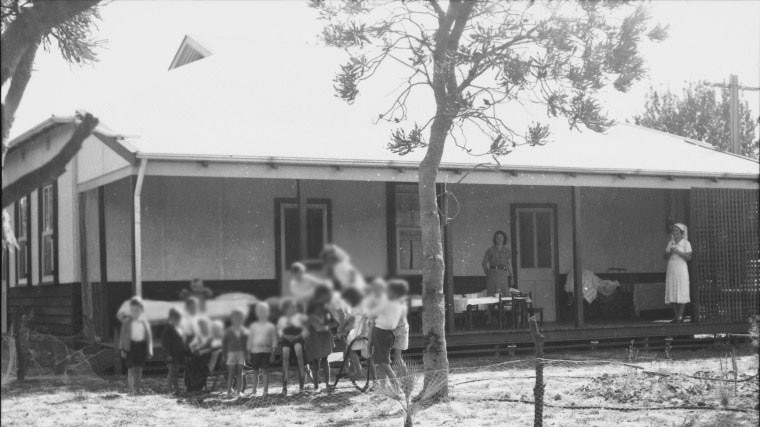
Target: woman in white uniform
{"x":677,"y":253}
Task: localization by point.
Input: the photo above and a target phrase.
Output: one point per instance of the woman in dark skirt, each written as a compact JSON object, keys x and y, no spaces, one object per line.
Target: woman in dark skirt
{"x":497,"y":266}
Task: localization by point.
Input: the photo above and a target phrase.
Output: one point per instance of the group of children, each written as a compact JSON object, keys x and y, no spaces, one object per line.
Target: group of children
{"x":370,"y":319}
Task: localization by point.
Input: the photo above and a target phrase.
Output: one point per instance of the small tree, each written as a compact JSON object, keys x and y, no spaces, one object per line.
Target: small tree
{"x":24,"y":26}
{"x":476,"y":56}
{"x":699,"y":113}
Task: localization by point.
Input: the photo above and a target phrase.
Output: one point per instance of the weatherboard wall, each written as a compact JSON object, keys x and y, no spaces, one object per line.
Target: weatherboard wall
{"x":224,"y":228}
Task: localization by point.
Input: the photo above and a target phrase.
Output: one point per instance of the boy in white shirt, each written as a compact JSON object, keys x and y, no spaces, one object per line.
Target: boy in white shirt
{"x":262,"y":343}
{"x":386,"y":315}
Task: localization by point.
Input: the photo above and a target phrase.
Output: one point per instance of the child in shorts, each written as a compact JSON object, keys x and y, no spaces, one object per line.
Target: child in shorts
{"x":173,"y":342}
{"x":234,"y":347}
{"x":136,"y":344}
{"x":290,"y":330}
{"x":262,"y":343}
{"x":386,"y":315}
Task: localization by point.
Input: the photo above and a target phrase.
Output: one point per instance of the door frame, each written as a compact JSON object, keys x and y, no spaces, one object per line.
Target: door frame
{"x":513,"y":240}
{"x":278,"y":202}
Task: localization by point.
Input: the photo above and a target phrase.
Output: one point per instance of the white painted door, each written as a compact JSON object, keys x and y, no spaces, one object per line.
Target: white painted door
{"x":317,"y":230}
{"x":536,"y":244}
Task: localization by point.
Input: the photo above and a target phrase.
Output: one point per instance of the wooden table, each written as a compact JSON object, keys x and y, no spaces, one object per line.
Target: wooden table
{"x":519,"y":304}
{"x":466,"y":304}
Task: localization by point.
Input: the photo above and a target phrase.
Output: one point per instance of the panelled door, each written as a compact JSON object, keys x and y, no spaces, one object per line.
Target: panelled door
{"x":535,"y":247}
{"x":317,"y":235}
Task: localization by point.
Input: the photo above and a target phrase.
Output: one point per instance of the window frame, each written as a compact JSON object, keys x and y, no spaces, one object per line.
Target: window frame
{"x":43,"y":233}
{"x":280,"y":203}
{"x":26,"y":239}
{"x":399,"y":269}
{"x":513,"y":208}
{"x":395,"y":229}
{"x":535,"y":247}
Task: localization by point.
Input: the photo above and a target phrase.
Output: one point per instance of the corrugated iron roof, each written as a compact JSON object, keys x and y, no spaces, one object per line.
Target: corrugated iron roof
{"x":280,"y":104}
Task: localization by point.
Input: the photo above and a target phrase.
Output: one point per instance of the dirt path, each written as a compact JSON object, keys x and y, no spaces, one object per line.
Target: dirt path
{"x":580,"y":390}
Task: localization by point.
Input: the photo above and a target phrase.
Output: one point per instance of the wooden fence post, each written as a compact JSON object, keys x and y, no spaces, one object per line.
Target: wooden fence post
{"x":538,"y":390}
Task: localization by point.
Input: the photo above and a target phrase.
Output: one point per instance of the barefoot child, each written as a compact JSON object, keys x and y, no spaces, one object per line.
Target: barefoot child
{"x":197,"y":360}
{"x":136,"y":344}
{"x":173,"y":342}
{"x":234,"y":347}
{"x":319,"y":339}
{"x":386,"y":315}
{"x":290,"y":330}
{"x":262,"y":343}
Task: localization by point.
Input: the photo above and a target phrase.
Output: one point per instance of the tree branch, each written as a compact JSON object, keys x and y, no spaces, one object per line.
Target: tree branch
{"x":438,"y":10}
{"x":32,"y":24}
{"x":54,"y":168}
{"x":16,"y":92}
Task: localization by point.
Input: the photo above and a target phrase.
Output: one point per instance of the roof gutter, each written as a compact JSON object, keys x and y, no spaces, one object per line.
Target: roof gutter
{"x":454,"y":167}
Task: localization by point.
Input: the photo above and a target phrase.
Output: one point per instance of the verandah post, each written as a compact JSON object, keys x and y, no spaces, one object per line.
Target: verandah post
{"x":87,"y":317}
{"x":577,"y":255}
{"x":302,"y":236}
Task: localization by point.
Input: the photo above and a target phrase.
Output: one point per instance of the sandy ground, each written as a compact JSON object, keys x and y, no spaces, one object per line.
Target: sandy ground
{"x":582,"y":389}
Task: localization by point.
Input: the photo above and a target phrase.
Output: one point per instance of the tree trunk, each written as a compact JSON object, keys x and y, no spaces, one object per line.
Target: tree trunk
{"x":16,"y":90}
{"x":435,"y":358}
{"x":408,"y":422}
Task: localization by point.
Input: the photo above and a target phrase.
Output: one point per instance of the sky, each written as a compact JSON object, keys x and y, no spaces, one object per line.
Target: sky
{"x":708,"y":41}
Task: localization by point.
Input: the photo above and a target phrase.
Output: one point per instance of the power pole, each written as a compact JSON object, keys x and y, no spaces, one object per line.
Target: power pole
{"x":734,"y":123}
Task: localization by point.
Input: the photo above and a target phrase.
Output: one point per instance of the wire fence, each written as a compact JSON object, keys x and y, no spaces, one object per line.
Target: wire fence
{"x":625,"y":381}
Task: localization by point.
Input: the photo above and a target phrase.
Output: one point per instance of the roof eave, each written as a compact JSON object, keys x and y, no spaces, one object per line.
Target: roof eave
{"x":409,"y":165}
{"x":40,"y":128}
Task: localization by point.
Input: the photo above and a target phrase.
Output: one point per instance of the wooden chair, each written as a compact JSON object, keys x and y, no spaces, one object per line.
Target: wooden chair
{"x":519,"y":311}
{"x":532,"y":310}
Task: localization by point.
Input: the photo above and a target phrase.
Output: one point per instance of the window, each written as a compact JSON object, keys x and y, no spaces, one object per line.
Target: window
{"x":22,"y":230}
{"x":408,"y":232}
{"x":47,"y":233}
{"x":317,"y":232}
{"x":535,"y":238}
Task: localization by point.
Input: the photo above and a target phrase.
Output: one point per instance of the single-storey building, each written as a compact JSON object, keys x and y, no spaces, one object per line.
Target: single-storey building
{"x":228,"y":197}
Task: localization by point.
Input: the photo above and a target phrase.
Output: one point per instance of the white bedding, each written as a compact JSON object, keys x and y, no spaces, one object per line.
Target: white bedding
{"x":220,"y":307}
{"x":592,"y":285}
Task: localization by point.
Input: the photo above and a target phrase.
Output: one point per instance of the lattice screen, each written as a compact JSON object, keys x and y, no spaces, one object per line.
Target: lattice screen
{"x":725,"y":265}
